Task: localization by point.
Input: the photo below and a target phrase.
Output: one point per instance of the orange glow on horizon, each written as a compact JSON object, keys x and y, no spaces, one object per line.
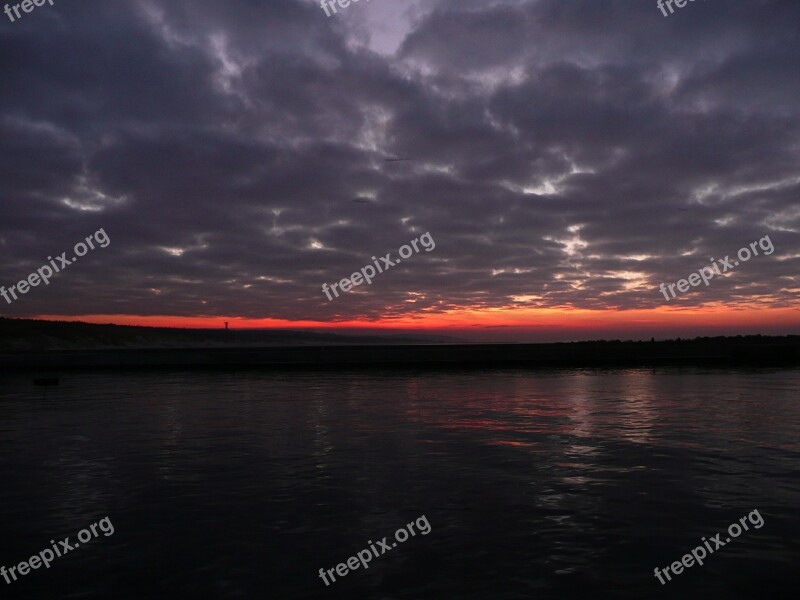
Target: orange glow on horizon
{"x":662,"y":318}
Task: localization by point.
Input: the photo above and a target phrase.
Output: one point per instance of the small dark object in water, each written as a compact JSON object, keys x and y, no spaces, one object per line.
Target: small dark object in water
{"x":46,"y":381}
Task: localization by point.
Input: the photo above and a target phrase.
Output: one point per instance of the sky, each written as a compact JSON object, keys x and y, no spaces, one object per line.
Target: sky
{"x":567,"y":157}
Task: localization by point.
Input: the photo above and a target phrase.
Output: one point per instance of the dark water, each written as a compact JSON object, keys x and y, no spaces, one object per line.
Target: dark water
{"x":561,"y":484}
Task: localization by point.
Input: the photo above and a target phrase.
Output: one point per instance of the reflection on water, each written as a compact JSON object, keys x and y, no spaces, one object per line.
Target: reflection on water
{"x":552,"y":484}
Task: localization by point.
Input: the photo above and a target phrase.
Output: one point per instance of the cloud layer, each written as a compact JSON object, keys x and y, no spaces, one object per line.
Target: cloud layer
{"x":564,"y":153}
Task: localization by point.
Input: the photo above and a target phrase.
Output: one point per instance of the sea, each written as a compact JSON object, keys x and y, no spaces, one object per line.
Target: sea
{"x":568,"y":483}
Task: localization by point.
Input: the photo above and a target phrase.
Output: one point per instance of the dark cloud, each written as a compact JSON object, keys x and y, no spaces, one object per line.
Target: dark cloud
{"x":563,"y":153}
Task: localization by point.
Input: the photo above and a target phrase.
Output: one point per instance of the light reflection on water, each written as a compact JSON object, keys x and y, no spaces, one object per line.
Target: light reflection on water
{"x":555,"y":484}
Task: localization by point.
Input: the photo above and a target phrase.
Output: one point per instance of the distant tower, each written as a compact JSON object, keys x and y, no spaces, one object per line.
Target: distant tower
{"x":226,"y":326}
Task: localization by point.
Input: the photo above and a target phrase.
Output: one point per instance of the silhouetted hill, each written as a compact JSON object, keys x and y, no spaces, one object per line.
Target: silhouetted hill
{"x":39,"y":335}
{"x":57,"y":346}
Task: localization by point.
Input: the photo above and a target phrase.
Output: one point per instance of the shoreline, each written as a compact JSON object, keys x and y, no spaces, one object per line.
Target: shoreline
{"x":735,"y":352}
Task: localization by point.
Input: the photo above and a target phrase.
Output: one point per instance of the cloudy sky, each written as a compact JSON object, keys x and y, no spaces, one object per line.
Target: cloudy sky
{"x":567,"y":157}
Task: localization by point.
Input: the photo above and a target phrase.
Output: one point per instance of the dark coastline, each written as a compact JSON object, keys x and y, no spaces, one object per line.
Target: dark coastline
{"x":750,"y":351}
